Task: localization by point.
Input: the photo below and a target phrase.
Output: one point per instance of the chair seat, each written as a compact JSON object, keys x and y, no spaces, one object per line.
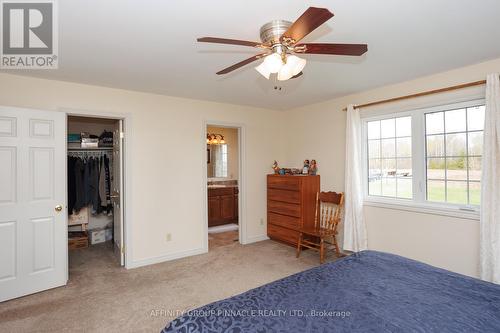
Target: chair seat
{"x":315,"y":231}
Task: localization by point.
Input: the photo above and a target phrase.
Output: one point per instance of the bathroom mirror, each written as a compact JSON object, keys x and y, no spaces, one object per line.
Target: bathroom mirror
{"x":217,"y":161}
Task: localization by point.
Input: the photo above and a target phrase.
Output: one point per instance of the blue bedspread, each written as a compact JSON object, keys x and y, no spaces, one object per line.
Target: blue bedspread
{"x":369,"y":291}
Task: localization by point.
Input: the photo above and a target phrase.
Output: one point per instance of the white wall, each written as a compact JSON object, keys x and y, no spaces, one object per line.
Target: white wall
{"x":442,"y":241}
{"x":169,"y":154}
{"x":94,"y":126}
{"x":318,"y":131}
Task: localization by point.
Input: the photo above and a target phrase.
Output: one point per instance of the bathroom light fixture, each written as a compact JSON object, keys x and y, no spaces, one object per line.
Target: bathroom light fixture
{"x":215,"y":139}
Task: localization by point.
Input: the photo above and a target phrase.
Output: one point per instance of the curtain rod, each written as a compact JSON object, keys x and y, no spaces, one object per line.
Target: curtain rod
{"x":425,"y":93}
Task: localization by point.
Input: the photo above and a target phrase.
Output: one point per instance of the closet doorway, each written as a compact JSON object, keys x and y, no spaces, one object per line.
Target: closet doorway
{"x":95,"y":207}
{"x":223,"y":185}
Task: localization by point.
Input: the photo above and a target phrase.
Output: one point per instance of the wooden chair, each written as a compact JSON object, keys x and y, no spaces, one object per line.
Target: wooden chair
{"x":327,"y":218}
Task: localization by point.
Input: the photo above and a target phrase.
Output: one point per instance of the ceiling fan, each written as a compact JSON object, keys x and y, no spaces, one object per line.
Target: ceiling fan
{"x":280,"y":42}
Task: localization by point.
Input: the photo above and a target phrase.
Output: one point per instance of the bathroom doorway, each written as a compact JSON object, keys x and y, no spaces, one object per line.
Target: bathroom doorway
{"x":223,"y":185}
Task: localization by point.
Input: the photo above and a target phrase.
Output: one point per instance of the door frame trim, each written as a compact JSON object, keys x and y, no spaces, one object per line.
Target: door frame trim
{"x":242,"y":223}
{"x":127,"y":171}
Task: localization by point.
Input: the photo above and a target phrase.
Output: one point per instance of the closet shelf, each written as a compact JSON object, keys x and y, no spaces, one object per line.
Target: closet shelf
{"x":90,"y":149}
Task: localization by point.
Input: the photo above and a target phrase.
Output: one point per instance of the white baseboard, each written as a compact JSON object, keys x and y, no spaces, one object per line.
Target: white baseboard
{"x":256,"y":239}
{"x":166,"y":257}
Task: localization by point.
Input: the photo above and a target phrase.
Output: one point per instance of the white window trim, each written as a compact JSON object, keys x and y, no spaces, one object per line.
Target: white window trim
{"x":418,"y":203}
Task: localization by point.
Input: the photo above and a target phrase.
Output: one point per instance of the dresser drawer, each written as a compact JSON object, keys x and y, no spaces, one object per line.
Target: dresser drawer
{"x":284,"y":208}
{"x":283,"y":220}
{"x":283,"y":195}
{"x":284,"y":183}
{"x":283,"y":234}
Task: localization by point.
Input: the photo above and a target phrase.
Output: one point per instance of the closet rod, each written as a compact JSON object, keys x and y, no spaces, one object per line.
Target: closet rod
{"x":425,"y":93}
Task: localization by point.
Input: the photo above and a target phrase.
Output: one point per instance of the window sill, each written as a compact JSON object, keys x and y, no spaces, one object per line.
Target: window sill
{"x":424,"y":208}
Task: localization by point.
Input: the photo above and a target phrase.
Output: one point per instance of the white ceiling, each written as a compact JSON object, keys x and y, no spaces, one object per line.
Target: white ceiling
{"x":151,"y":46}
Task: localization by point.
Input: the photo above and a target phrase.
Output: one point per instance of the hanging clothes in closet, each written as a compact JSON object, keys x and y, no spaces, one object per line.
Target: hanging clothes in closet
{"x":89,"y":183}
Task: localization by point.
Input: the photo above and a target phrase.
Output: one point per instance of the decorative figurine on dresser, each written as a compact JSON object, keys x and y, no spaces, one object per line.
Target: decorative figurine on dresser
{"x":276,"y":168}
{"x":305,"y":169}
{"x":313,"y":168}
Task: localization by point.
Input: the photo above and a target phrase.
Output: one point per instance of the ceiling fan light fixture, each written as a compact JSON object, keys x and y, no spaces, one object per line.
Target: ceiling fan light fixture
{"x":281,"y":39}
{"x":263,"y":70}
{"x":285,"y":73}
{"x":273,"y":62}
{"x":297,"y":64}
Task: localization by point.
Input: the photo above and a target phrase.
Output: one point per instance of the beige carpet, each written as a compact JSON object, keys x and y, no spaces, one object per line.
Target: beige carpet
{"x":103,"y":297}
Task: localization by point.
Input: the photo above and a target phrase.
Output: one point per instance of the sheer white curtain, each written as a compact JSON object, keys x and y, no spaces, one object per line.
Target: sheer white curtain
{"x":490,"y":185}
{"x":354,"y":224}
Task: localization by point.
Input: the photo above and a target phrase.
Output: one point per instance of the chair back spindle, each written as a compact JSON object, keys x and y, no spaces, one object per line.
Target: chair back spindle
{"x":328,"y":209}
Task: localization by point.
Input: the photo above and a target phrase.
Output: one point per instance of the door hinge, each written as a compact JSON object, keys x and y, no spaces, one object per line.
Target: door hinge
{"x":122,"y":135}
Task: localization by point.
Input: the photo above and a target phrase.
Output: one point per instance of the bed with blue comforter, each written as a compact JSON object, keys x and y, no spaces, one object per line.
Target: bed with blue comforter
{"x":368,"y":291}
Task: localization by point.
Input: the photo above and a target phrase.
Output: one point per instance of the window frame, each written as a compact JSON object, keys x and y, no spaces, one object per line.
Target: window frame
{"x":419,"y":202}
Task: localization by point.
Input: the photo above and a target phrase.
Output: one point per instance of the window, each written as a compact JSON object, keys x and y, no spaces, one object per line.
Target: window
{"x":454,"y":145}
{"x":430,"y":157}
{"x":389,"y":158}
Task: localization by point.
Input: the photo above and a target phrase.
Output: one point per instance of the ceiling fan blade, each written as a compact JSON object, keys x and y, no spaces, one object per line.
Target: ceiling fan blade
{"x":241,"y":64}
{"x":297,"y":75}
{"x":228,"y":41}
{"x":311,"y":19}
{"x":337,"y":49}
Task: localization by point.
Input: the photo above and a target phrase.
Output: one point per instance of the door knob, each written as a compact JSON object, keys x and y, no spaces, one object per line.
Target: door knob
{"x":58,"y":208}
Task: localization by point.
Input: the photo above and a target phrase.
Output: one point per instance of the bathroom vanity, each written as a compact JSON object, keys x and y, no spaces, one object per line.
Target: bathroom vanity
{"x":222,"y":204}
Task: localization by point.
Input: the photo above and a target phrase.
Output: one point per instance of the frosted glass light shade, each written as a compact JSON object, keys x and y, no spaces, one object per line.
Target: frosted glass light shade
{"x":285,"y":73}
{"x":273,"y":63}
{"x":262,"y":69}
{"x":297,"y":64}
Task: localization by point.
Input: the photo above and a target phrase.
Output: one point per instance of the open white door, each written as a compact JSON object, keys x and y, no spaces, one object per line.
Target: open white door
{"x":33,"y":230}
{"x":117,"y":191}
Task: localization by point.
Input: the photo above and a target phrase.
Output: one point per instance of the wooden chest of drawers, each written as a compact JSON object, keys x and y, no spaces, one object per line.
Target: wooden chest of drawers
{"x":291,"y":204}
